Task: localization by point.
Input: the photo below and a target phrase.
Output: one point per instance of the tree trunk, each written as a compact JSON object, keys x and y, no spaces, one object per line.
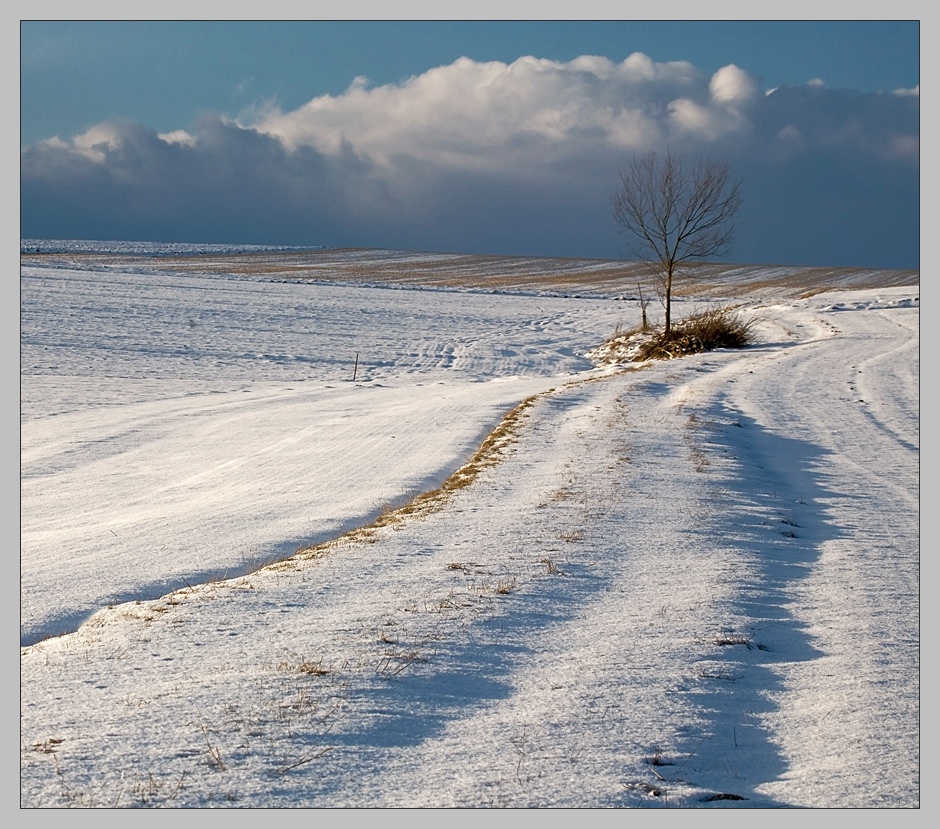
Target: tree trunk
{"x":668,"y":301}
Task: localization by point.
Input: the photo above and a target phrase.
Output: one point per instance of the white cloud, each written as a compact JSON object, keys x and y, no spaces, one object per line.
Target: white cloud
{"x":501,"y":117}
{"x":908,"y":93}
{"x":178,"y":137}
{"x":732,"y":86}
{"x":690,"y":116}
{"x":639,"y":67}
{"x":96,"y":142}
{"x":602,"y":67}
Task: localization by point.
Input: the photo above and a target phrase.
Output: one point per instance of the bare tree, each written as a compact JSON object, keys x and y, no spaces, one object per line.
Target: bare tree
{"x":675,"y":216}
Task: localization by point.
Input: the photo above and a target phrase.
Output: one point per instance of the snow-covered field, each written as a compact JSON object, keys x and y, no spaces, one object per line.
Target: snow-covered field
{"x":689,"y":584}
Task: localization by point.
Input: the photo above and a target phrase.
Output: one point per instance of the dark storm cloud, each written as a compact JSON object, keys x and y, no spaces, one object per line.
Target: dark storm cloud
{"x":223,"y":182}
{"x":490,"y":157}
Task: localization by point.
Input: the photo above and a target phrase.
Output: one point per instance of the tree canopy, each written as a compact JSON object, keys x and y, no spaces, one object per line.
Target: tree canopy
{"x":675,"y":214}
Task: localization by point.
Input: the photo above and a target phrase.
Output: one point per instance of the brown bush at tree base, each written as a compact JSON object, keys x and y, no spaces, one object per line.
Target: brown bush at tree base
{"x":705,"y":331}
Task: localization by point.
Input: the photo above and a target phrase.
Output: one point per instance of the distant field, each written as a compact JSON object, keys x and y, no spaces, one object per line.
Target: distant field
{"x":493,"y":273}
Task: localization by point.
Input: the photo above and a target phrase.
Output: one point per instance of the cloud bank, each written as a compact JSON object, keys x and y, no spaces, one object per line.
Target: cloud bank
{"x":498,"y":158}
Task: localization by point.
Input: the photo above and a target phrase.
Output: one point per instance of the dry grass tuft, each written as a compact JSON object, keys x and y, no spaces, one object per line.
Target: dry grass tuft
{"x":505,"y":586}
{"x":729,"y":638}
{"x":704,"y":331}
{"x":302,"y":665}
{"x":726,"y":639}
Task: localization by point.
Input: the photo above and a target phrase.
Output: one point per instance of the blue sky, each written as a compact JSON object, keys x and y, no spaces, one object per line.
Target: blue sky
{"x":436,"y":136}
{"x":170,"y":71}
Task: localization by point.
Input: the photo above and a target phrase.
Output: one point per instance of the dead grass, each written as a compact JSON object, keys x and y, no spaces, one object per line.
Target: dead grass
{"x":729,"y":638}
{"x":303,"y":665}
{"x":488,"y":455}
{"x":505,"y":586}
{"x":551,"y":567}
{"x":733,"y":639}
{"x":711,"y":670}
{"x":394,"y":660}
{"x":704,"y":331}
{"x":697,"y":454}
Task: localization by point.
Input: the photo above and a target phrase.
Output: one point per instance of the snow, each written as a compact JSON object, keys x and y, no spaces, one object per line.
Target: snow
{"x":683,"y":584}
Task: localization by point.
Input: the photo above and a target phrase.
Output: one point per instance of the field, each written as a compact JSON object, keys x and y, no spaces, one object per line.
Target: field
{"x":368,"y":529}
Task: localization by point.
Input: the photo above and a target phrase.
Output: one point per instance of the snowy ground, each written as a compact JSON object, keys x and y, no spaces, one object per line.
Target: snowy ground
{"x":692,"y":584}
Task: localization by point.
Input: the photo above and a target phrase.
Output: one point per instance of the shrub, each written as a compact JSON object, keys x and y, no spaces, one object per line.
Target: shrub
{"x":705,"y":331}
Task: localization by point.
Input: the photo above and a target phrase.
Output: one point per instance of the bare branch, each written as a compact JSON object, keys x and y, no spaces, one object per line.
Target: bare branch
{"x":673,"y":216}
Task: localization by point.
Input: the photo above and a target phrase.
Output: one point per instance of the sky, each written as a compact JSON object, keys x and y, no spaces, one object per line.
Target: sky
{"x":469,"y":136}
{"x":665,"y":588}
